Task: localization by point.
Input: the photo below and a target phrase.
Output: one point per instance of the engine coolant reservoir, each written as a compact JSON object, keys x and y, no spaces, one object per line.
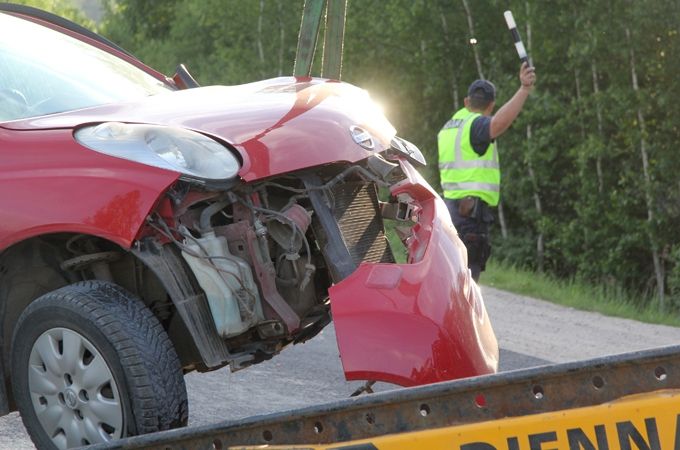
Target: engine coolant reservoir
{"x":228,"y":284}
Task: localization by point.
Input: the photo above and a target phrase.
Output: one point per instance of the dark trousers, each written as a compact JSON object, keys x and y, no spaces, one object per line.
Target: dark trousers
{"x":472,"y":218}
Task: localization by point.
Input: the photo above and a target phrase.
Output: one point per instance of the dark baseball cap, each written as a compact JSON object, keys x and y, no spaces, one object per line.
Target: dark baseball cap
{"x":482,"y":90}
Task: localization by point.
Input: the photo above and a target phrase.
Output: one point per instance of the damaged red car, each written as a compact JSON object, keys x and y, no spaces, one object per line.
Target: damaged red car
{"x":150,"y":227}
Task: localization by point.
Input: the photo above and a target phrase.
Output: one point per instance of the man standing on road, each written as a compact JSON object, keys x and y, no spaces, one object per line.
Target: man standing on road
{"x":468,"y":162}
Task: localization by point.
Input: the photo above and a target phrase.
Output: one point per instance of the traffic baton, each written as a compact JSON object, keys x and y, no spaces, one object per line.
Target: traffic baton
{"x":512,"y":26}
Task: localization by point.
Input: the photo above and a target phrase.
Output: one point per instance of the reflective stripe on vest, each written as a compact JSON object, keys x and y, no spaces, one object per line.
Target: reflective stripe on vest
{"x":469,"y":164}
{"x":471,"y":186}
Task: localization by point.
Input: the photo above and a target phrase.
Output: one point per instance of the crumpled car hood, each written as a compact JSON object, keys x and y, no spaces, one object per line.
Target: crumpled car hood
{"x":277,"y":125}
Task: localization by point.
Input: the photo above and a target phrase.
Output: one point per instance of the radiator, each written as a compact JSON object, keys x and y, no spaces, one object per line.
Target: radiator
{"x":355,"y":208}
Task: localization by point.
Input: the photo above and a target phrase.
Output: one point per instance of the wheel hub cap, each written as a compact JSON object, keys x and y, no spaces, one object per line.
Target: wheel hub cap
{"x":74,"y":393}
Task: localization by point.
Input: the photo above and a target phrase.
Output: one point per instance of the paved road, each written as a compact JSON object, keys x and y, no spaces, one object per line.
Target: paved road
{"x":530,"y":333}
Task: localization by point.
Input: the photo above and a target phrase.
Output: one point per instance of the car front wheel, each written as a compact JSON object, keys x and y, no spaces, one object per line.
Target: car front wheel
{"x":90,"y":364}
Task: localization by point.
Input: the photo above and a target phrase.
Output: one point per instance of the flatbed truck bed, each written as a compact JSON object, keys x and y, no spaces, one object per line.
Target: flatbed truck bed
{"x":627,"y":401}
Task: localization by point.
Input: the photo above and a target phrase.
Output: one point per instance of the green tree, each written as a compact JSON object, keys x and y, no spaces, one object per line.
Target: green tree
{"x":64,"y":8}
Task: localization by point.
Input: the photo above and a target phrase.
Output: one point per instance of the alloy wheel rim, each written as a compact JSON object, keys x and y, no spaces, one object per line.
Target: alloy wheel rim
{"x":73,"y":391}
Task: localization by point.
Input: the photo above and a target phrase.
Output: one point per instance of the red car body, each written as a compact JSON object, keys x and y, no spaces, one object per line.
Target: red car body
{"x":80,"y":191}
{"x":411,"y":323}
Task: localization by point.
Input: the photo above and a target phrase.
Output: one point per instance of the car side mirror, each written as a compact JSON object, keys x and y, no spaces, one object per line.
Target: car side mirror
{"x":183,"y":78}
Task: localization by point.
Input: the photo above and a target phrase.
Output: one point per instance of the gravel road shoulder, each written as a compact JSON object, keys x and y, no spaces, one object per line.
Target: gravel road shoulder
{"x":559,"y":334}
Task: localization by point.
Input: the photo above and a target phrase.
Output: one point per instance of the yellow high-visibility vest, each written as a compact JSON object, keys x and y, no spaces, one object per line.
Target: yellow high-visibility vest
{"x":463,"y":172}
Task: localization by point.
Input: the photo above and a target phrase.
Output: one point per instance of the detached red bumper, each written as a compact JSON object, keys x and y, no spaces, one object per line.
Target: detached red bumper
{"x":417,"y":323}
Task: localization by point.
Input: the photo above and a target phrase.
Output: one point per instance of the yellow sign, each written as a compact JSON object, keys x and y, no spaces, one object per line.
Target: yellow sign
{"x":642,"y":422}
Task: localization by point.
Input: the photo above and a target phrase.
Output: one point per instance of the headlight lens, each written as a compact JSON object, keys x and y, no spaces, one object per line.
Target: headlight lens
{"x":171,"y":148}
{"x":409,"y":150}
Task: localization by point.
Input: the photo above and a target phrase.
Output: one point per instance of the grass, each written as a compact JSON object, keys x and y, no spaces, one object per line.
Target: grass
{"x":573,"y":293}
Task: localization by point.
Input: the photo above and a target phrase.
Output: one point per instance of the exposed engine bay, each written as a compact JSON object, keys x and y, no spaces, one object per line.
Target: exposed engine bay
{"x":266,"y":253}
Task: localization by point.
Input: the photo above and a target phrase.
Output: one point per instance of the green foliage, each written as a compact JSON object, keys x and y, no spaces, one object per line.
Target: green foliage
{"x":64,"y":8}
{"x":674,"y":277}
{"x":221,"y":41}
{"x":601,"y":216}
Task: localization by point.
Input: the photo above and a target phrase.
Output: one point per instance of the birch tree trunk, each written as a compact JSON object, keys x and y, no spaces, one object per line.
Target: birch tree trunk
{"x":583,"y":160}
{"x":260,"y":50}
{"x":471,"y":27}
{"x":449,"y":61}
{"x":656,"y":258}
{"x":282,"y":35}
{"x":501,"y":215}
{"x":540,"y":246}
{"x":579,"y":103}
{"x":600,"y":126}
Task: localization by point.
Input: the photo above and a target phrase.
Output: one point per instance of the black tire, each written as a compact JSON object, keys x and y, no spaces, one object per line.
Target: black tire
{"x":145,"y":381}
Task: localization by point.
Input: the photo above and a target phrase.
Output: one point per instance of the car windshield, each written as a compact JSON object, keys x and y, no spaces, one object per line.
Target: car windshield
{"x":43,"y":72}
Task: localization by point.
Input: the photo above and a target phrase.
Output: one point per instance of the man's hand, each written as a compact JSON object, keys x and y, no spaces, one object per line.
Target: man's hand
{"x":527,"y":76}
